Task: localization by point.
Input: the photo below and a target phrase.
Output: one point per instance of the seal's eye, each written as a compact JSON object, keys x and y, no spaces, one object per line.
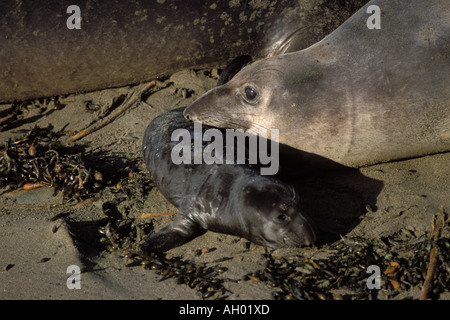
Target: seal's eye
{"x":282,"y":218}
{"x":250,"y":93}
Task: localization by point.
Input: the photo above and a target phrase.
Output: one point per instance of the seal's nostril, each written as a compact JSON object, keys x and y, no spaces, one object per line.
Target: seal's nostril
{"x":189,"y":115}
{"x":186,"y":114}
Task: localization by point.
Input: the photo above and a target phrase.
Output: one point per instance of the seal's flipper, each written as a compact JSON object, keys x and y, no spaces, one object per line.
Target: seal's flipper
{"x":233,"y":67}
{"x":179,"y":232}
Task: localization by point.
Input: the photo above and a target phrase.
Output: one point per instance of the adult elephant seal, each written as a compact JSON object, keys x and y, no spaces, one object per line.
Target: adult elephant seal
{"x":228,"y":198}
{"x":358,"y":97}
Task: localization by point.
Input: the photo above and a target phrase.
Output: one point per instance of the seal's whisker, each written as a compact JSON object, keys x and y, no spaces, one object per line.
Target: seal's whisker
{"x":271,"y":70}
{"x":235,"y":113}
{"x":294,"y":193}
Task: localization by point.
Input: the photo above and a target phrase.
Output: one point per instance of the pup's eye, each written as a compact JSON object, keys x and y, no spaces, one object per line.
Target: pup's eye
{"x":250,"y":93}
{"x":282,"y":217}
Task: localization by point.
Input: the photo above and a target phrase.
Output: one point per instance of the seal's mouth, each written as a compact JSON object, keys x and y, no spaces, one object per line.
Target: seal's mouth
{"x":305,"y":234}
{"x":307,"y":238}
{"x":219,"y":119}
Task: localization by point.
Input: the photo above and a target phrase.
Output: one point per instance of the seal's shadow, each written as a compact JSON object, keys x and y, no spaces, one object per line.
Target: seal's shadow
{"x":334,"y":196}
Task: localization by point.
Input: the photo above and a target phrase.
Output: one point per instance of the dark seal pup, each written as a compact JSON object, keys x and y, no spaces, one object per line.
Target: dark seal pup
{"x":227,"y":198}
{"x":358,"y":97}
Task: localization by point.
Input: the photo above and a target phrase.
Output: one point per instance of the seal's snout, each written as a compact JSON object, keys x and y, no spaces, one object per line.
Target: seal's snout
{"x":306,"y":232}
{"x":309,"y":237}
{"x":189,"y":114}
{"x":310,"y":233}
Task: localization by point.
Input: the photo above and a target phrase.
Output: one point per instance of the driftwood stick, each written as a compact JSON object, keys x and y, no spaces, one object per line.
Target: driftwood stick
{"x":437,"y":225}
{"x":153,"y":215}
{"x":430,"y":273}
{"x":107,"y":121}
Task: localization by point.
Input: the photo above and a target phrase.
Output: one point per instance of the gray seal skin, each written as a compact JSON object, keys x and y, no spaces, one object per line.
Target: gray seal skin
{"x":131,"y":41}
{"x":226,"y":198}
{"x":358,"y":97}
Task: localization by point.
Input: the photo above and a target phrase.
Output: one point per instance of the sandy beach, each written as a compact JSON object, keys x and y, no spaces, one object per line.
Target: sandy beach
{"x":385,"y":211}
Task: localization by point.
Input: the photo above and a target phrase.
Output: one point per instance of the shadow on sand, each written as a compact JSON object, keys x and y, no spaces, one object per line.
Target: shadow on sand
{"x":334,"y":196}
